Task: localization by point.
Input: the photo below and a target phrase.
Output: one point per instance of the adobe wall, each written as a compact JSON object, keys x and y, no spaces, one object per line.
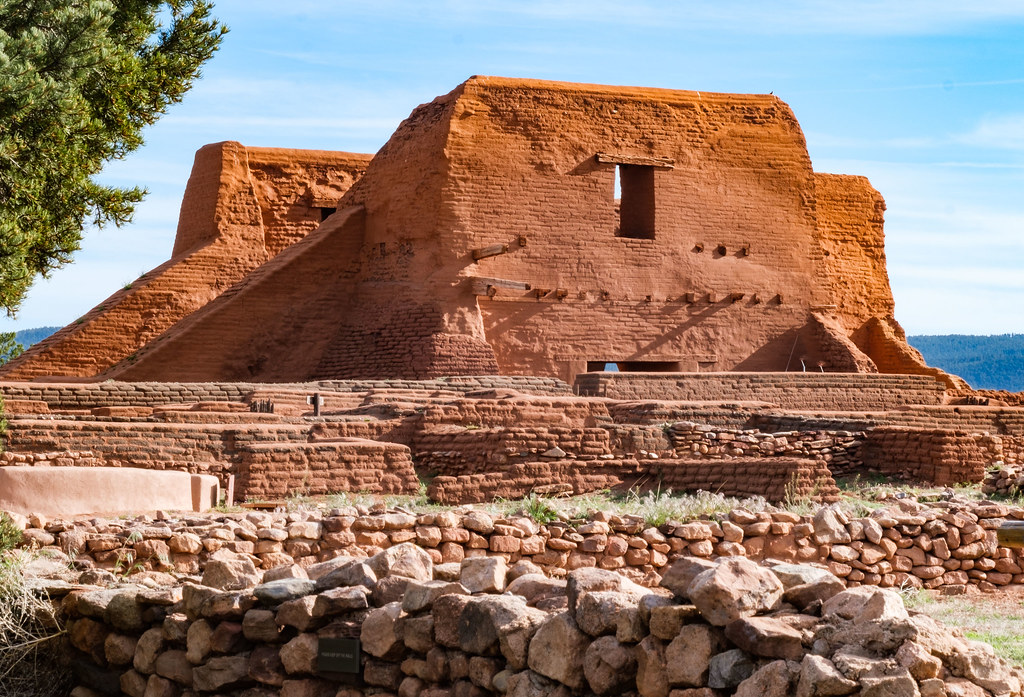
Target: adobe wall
{"x":793,"y":390}
{"x":60,"y":396}
{"x":70,"y":491}
{"x":486,"y":237}
{"x":481,"y":439}
{"x":885,"y":341}
{"x":942,"y":457}
{"x":241,"y":206}
{"x":208,"y":448}
{"x":733,"y":179}
{"x":850,"y":230}
{"x":351,"y":295}
{"x":279,"y":470}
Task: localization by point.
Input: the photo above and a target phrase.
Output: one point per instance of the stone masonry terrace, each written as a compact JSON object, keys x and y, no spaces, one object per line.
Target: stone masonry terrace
{"x":796,"y":390}
{"x":484,"y":437}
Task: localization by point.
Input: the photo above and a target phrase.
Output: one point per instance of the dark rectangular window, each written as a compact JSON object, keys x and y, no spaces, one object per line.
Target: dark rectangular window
{"x":649,"y":367}
{"x":326,"y":212}
{"x":636,"y":203}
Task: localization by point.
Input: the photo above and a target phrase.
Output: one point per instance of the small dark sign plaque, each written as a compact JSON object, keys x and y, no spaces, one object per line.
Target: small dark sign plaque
{"x":337,"y":656}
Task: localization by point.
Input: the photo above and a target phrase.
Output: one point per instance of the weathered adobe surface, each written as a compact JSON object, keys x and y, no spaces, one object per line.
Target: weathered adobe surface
{"x":242,"y":206}
{"x":480,"y":438}
{"x":485,"y":237}
{"x":703,"y":628}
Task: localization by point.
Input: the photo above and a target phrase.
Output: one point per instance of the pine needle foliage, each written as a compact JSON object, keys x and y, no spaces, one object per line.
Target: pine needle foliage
{"x":79,"y":82}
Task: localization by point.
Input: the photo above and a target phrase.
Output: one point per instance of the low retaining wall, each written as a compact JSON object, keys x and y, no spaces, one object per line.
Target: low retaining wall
{"x":939,"y":456}
{"x":775,"y":478}
{"x":61,"y":491}
{"x":85,"y":395}
{"x":796,"y":390}
{"x":399,"y":625}
{"x":949,"y":545}
{"x":278,"y":470}
{"x":839,"y":449}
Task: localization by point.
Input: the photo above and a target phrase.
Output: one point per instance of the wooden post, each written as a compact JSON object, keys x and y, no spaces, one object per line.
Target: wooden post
{"x":483,"y":286}
{"x":229,"y":495}
{"x":489,"y":251}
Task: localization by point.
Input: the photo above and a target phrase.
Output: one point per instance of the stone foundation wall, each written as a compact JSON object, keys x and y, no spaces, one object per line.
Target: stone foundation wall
{"x":776,"y":479}
{"x":113,"y":393}
{"x":438,"y":632}
{"x":939,"y":456}
{"x":796,"y":390}
{"x":840,"y":450}
{"x":450,"y":631}
{"x":451,"y":453}
{"x":948,"y":544}
{"x":195,"y":448}
{"x":278,"y":470}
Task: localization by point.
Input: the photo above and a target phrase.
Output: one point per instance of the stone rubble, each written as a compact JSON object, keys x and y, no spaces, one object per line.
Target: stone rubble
{"x":609,"y":636}
{"x":945,"y":544}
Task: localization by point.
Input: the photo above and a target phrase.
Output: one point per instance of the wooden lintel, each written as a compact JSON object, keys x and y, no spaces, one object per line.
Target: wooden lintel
{"x":489,"y":251}
{"x":487,"y":286}
{"x":614,"y":159}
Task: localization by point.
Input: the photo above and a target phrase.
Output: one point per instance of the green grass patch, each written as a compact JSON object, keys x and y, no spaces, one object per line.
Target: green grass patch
{"x":991,"y":618}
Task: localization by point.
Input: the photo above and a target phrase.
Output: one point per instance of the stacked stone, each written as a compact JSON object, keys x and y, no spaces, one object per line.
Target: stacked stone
{"x":482,"y":628}
{"x":55,"y":458}
{"x":915,"y":546}
{"x":1005,"y":479}
{"x":946,"y":544}
{"x":837,"y":448}
{"x":941,"y":456}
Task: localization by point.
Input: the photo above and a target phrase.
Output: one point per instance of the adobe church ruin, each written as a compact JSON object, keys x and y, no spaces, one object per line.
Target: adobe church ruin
{"x":444,"y":309}
{"x":486,"y":238}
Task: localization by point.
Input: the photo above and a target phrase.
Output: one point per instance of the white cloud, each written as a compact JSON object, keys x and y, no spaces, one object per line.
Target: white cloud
{"x":1005,"y":131}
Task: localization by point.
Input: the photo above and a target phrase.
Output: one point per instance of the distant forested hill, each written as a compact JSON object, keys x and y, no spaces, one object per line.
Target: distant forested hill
{"x":27,"y":337}
{"x":987,"y":362}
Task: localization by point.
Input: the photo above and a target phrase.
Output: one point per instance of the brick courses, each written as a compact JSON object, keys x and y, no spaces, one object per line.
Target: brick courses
{"x":482,"y":437}
{"x":485,"y":237}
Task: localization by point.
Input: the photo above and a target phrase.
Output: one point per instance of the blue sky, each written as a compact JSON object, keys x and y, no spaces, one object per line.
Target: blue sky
{"x":924,"y":98}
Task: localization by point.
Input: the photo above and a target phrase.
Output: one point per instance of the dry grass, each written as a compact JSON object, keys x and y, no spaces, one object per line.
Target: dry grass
{"x":30,"y":647}
{"x":859,"y":497}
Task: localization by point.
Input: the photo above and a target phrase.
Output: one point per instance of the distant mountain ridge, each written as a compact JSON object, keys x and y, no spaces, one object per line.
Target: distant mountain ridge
{"x":985,"y":362}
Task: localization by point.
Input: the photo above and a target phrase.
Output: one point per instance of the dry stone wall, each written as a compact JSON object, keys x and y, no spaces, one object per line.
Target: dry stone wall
{"x":906,"y":544}
{"x":482,"y":627}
